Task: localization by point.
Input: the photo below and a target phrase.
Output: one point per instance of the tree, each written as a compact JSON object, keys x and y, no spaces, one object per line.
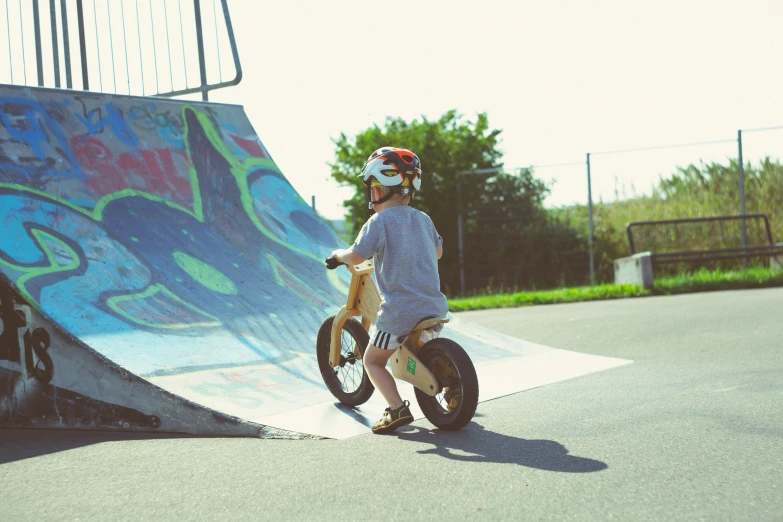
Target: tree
{"x":511,"y":241}
{"x":447,"y":146}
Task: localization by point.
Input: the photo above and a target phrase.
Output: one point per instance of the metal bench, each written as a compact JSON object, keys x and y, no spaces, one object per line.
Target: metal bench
{"x":694,"y":240}
{"x":754,"y":241}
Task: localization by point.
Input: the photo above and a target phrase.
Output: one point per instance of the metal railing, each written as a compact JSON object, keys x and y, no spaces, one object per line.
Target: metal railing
{"x":164,"y":43}
{"x":719,"y":248}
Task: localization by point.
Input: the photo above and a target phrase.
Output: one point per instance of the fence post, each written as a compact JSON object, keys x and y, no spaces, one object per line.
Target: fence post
{"x":741,"y":176}
{"x":590,"y":222}
{"x":459,"y":238}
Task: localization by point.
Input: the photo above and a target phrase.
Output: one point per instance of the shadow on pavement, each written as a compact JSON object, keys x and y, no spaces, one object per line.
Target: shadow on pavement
{"x":23,"y":443}
{"x":476,"y":444}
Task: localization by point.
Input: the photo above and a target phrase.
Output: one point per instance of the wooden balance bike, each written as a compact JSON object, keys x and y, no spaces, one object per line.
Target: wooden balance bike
{"x":443,"y":375}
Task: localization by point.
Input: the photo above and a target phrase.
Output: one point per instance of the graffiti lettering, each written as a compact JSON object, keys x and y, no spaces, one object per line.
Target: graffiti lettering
{"x":31,"y":141}
{"x":145,"y":117}
{"x":12,"y":320}
{"x":38,"y":342}
{"x":114,"y":119}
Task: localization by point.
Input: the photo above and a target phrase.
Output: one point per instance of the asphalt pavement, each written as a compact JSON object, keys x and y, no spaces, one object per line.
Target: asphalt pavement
{"x":692,"y":430}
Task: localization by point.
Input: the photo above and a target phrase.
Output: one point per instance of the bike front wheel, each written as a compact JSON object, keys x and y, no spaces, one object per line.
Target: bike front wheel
{"x":454,"y":405}
{"x":348,"y":381}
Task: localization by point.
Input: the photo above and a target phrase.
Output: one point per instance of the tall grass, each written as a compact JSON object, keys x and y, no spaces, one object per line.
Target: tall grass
{"x":692,"y":191}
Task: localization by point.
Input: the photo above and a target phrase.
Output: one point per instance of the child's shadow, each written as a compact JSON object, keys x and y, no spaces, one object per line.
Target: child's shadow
{"x":476,"y":444}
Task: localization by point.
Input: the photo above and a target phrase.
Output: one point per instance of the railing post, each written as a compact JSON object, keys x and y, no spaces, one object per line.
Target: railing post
{"x":768,"y":230}
{"x":38,"y":52}
{"x":82,"y":45}
{"x":201,"y":60}
{"x":55,"y":43}
{"x":232,"y":42}
{"x":629,"y":235}
{"x":66,"y":45}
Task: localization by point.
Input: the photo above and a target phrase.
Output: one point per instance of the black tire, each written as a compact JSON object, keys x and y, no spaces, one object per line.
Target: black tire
{"x":348,"y":382}
{"x":458,"y":392}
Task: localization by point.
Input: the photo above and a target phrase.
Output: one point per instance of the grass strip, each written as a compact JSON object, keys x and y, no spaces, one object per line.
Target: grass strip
{"x":712,"y":280}
{"x":700,"y":281}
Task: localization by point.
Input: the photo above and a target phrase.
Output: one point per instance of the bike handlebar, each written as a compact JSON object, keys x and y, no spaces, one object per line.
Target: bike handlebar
{"x":332,"y":263}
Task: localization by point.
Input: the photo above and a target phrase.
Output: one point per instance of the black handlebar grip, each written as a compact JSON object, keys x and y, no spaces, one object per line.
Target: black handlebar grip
{"x":332,"y":263}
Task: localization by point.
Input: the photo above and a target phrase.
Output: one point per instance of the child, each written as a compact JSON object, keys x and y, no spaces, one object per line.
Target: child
{"x":406,"y":248}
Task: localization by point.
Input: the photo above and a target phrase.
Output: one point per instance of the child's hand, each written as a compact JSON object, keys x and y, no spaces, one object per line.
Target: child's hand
{"x":347,"y":256}
{"x":332,"y":262}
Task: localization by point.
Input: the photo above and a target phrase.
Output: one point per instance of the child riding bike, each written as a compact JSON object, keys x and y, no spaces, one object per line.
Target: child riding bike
{"x":406,"y":248}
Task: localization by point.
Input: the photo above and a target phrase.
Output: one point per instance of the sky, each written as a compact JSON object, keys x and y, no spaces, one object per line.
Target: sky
{"x":559,"y":78}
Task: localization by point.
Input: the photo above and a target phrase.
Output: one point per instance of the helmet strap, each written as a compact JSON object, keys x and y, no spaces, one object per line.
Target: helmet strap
{"x":405,"y":191}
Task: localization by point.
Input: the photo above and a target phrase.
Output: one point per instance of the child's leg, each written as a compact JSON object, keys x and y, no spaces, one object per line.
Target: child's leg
{"x":375,"y":360}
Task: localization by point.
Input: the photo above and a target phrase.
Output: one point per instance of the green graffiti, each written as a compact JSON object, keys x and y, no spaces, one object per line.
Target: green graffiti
{"x":207,"y":276}
{"x":54,"y":266}
{"x":239,"y":169}
{"x":115,"y":302}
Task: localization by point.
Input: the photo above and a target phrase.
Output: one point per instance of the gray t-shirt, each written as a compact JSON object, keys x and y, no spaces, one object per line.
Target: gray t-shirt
{"x":403,"y":242}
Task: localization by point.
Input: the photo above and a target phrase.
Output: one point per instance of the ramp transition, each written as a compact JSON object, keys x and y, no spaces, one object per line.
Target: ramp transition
{"x":159,"y":273}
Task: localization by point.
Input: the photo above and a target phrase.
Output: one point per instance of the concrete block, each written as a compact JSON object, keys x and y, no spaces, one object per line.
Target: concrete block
{"x":635,"y":270}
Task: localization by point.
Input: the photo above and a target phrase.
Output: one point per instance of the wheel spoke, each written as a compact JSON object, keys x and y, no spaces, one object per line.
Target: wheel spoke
{"x":351,"y":371}
{"x":448,"y":377}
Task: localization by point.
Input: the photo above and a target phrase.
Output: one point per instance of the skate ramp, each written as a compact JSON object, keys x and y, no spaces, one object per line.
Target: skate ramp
{"x":159,"y":273}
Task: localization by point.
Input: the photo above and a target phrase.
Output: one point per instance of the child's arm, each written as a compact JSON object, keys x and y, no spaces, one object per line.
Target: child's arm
{"x":348,"y":256}
{"x":439,"y":252}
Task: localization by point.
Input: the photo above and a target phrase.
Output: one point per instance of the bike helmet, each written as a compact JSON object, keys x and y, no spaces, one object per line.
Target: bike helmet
{"x":392,"y":167}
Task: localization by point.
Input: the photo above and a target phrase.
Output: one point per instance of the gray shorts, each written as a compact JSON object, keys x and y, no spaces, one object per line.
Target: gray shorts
{"x":387,"y":341}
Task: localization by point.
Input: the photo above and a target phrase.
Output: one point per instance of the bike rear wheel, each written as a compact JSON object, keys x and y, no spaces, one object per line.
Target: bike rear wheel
{"x":348,"y":381}
{"x":454,"y":405}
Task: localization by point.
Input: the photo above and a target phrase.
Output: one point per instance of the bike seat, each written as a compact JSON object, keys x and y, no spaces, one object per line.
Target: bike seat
{"x":429,"y":322}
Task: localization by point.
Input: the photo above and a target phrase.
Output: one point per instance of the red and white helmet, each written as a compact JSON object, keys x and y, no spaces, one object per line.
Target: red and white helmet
{"x":392,"y":167}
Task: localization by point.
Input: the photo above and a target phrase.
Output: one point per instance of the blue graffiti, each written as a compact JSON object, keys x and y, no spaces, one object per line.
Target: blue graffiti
{"x":114,"y":119}
{"x":28,"y":123}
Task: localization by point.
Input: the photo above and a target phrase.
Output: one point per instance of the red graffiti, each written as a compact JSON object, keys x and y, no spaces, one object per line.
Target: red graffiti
{"x":252,"y":147}
{"x":149,"y":170}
